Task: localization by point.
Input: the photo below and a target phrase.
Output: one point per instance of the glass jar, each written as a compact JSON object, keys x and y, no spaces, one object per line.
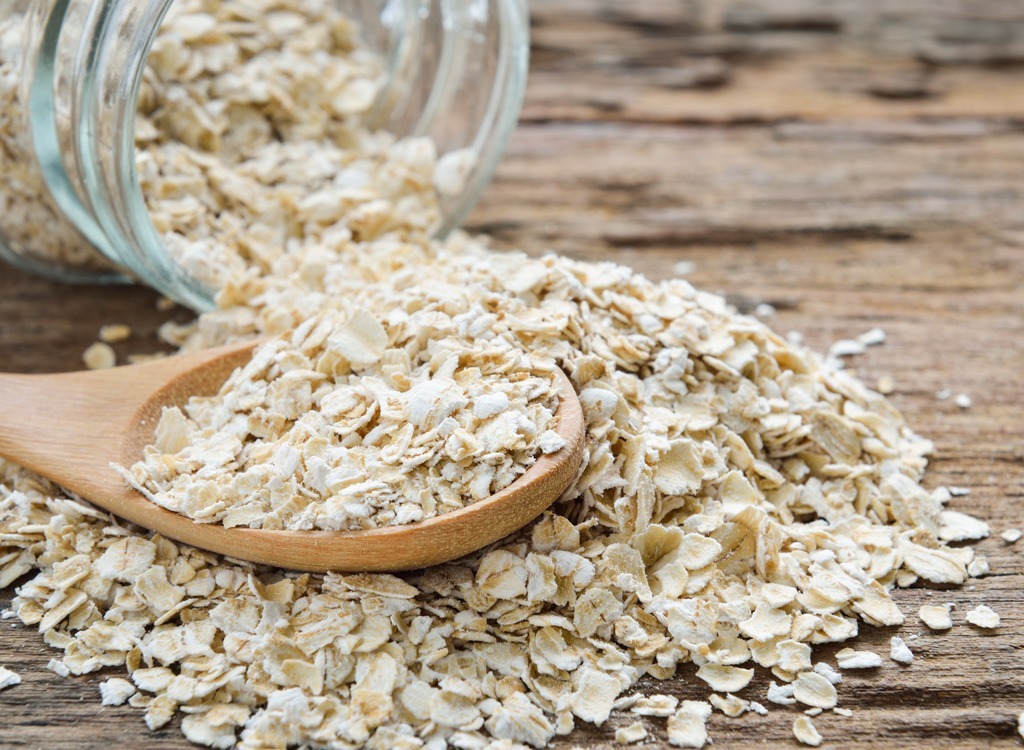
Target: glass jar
{"x":71,"y":205}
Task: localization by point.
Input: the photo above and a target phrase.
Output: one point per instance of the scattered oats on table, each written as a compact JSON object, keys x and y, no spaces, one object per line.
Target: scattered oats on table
{"x":899,"y":651}
{"x":849,"y":658}
{"x":8,"y":678}
{"x":983,"y":617}
{"x":936,"y":617}
{"x":631,"y":733}
{"x":114,"y":333}
{"x":99,"y":356}
{"x":805,"y":731}
{"x":686,"y":727}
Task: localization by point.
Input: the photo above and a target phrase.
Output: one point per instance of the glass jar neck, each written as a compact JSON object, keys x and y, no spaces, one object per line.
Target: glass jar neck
{"x":454,"y":71}
{"x":83,"y":94}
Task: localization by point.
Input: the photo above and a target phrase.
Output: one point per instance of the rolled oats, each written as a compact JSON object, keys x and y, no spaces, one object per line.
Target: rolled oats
{"x":805,"y":731}
{"x":99,"y":356}
{"x":8,"y":678}
{"x":849,"y":658}
{"x":631,"y":733}
{"x":811,"y":689}
{"x":114,"y":333}
{"x":826,"y":671}
{"x":116,"y":691}
{"x":936,"y":617}
{"x":983,"y":617}
{"x":899,"y":651}
{"x":655,"y":705}
{"x":686,"y":727}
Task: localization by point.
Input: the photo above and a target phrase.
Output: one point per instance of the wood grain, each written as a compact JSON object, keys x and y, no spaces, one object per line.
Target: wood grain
{"x":855,"y":164}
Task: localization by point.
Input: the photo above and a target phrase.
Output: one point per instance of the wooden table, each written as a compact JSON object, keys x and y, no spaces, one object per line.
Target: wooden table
{"x":854,"y":164}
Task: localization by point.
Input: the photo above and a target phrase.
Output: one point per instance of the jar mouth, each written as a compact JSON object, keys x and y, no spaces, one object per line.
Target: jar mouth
{"x":126,"y":30}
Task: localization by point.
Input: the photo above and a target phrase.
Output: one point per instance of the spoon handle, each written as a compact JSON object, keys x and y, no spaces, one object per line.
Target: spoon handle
{"x":69,"y":427}
{"x":59,"y":425}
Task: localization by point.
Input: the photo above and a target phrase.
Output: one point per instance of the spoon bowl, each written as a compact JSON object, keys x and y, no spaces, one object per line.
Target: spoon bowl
{"x":72,"y":427}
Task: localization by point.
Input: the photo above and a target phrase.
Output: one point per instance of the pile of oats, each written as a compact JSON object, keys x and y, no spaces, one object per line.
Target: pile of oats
{"x":741,"y":500}
{"x":739,"y":504}
{"x":355,"y":422}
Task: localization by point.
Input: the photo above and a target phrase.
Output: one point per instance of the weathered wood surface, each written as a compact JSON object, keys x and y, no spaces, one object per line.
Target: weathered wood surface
{"x":855,"y":164}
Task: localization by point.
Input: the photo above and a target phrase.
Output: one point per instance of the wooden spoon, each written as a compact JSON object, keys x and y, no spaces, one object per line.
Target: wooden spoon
{"x":71,"y":427}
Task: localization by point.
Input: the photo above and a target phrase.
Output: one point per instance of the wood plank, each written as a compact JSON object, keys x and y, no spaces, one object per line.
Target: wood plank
{"x":855,"y":164}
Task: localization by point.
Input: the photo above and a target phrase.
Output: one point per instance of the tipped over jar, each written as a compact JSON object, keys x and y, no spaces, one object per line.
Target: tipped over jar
{"x":188,"y":143}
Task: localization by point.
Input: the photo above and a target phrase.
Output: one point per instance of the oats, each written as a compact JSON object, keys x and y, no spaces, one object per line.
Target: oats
{"x":153,"y":588}
{"x":781,"y":694}
{"x":848,"y":658}
{"x":730,"y":705}
{"x":126,"y":559}
{"x":846,"y":348}
{"x":197,"y":729}
{"x":593,"y":698}
{"x":935,"y":565}
{"x":778,"y":596}
{"x":983,"y":616}
{"x":811,"y":689}
{"x":450,"y":709}
{"x":978,"y":567}
{"x":8,"y":678}
{"x":115,"y":691}
{"x":874,"y":337}
{"x":958,"y":527}
{"x":360,"y":339}
{"x":794,"y":656}
{"x":826,"y":671}
{"x":631,"y":733}
{"x":58,"y":668}
{"x":766,"y":623}
{"x":899,"y":651}
{"x":936,"y":617}
{"x":99,"y":356}
{"x":519,"y":720}
{"x":1011,"y":536}
{"x":114,"y":333}
{"x":1020,"y":724}
{"x":680,"y":470}
{"x":655,"y":705}
{"x":686,"y":728}
{"x":805,"y":732}
{"x":725,"y":679}
{"x":963,"y":401}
